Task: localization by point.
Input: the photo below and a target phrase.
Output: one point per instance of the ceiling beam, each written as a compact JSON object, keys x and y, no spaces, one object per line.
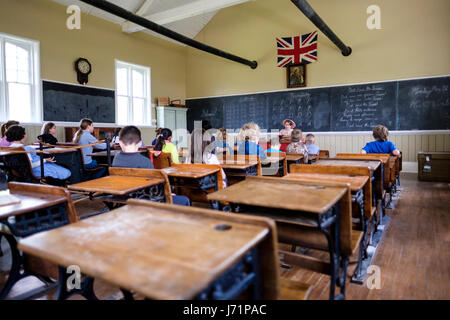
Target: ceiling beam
{"x":144,"y":8}
{"x":189,"y":10}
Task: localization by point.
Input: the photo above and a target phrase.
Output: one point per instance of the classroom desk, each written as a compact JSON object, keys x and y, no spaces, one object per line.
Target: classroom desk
{"x":37,"y":211}
{"x":377,"y":174}
{"x":294,"y":203}
{"x":164,"y":252}
{"x":71,"y":159}
{"x":119,"y":188}
{"x":360,"y":194}
{"x":237,"y":170}
{"x":279,"y":160}
{"x":66,"y":157}
{"x":294,"y":158}
{"x":187,"y":177}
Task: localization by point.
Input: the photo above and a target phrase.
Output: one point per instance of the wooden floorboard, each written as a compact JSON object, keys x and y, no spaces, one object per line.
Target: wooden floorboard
{"x":413,"y":256}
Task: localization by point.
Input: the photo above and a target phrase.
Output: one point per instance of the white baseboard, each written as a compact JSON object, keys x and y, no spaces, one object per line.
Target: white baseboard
{"x":410,"y":167}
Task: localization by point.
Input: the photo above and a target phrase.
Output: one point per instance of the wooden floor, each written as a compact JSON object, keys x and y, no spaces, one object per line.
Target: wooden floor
{"x":413,"y":257}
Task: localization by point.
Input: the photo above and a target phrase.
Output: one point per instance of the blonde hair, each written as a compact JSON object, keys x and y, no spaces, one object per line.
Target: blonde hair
{"x":84,"y":123}
{"x":380,"y":133}
{"x":296,"y":135}
{"x":249,"y":132}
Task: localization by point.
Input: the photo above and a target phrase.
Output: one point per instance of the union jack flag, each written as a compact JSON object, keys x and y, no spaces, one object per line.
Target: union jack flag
{"x":296,"y":50}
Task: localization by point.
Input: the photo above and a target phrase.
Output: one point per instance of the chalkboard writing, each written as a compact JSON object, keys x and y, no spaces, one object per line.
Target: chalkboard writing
{"x":66,"y":102}
{"x":422,"y":104}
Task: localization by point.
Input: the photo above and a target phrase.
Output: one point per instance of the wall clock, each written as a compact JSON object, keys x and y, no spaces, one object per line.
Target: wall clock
{"x":83,"y":68}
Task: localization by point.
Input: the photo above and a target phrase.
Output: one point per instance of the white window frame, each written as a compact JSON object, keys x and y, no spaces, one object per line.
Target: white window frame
{"x":36,"y":96}
{"x":147,"y":115}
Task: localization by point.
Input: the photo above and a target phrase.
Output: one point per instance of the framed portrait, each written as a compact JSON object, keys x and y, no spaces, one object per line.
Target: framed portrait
{"x":296,"y":75}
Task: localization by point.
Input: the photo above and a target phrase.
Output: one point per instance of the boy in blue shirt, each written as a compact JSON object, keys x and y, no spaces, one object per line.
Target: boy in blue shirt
{"x":248,"y":139}
{"x":310,"y":144}
{"x":381,"y":143}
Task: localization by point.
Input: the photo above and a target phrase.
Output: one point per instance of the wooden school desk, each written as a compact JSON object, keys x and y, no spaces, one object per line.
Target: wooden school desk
{"x":374,"y":166}
{"x":70,"y":159}
{"x":293,"y":158}
{"x":360,"y":187}
{"x":304,"y":213}
{"x":164,"y":251}
{"x":278,"y":158}
{"x":237,"y":170}
{"x":195,"y":180}
{"x":123,"y":183}
{"x":387,"y":167}
{"x":41,"y":208}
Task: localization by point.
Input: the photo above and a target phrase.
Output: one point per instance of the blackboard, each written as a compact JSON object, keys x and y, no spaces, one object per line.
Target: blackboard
{"x":71,"y":103}
{"x":422,"y":104}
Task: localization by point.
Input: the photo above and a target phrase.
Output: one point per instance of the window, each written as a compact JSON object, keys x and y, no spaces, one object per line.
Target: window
{"x":133,"y":94}
{"x":20,"y":97}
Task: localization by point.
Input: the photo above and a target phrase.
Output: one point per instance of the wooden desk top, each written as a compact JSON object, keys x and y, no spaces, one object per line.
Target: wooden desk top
{"x":188,"y":171}
{"x":294,"y":157}
{"x":6,"y":152}
{"x":371,"y":164}
{"x":237,"y":164}
{"x":383,"y":157}
{"x":273,"y":159}
{"x":160,"y":253}
{"x":281,"y":193}
{"x":356,"y":182}
{"x":116,"y":185}
{"x":103,"y":153}
{"x":30,"y":201}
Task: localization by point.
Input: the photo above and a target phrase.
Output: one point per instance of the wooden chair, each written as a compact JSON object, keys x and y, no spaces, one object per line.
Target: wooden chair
{"x":160,"y":160}
{"x":29,"y":223}
{"x":151,"y":173}
{"x":274,"y":286}
{"x":323,"y":154}
{"x":87,"y":173}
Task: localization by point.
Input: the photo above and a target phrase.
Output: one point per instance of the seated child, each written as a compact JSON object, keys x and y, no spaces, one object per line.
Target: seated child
{"x":381,"y":143}
{"x":3,"y":141}
{"x":157,"y":132}
{"x":310,"y":144}
{"x":129,"y":157}
{"x":48,"y":133}
{"x":115,"y":138}
{"x":296,"y":145}
{"x":17,"y":136}
{"x":219,"y":144}
{"x":83,"y":137}
{"x":164,"y":144}
{"x":247,"y":141}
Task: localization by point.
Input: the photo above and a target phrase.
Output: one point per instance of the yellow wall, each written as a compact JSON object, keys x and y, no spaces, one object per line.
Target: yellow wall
{"x":99,"y":41}
{"x":414,"y":42}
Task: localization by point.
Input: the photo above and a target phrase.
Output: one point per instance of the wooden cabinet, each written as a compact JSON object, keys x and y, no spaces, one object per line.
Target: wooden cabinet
{"x":434,"y":166}
{"x":99,"y":133}
{"x":175,"y":120}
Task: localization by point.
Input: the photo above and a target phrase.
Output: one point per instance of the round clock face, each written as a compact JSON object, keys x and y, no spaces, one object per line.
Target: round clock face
{"x":84,"y":66}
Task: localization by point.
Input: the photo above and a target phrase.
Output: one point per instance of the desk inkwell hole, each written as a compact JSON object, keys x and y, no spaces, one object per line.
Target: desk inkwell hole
{"x":319,"y":187}
{"x":222,"y":227}
{"x":352,"y":175}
